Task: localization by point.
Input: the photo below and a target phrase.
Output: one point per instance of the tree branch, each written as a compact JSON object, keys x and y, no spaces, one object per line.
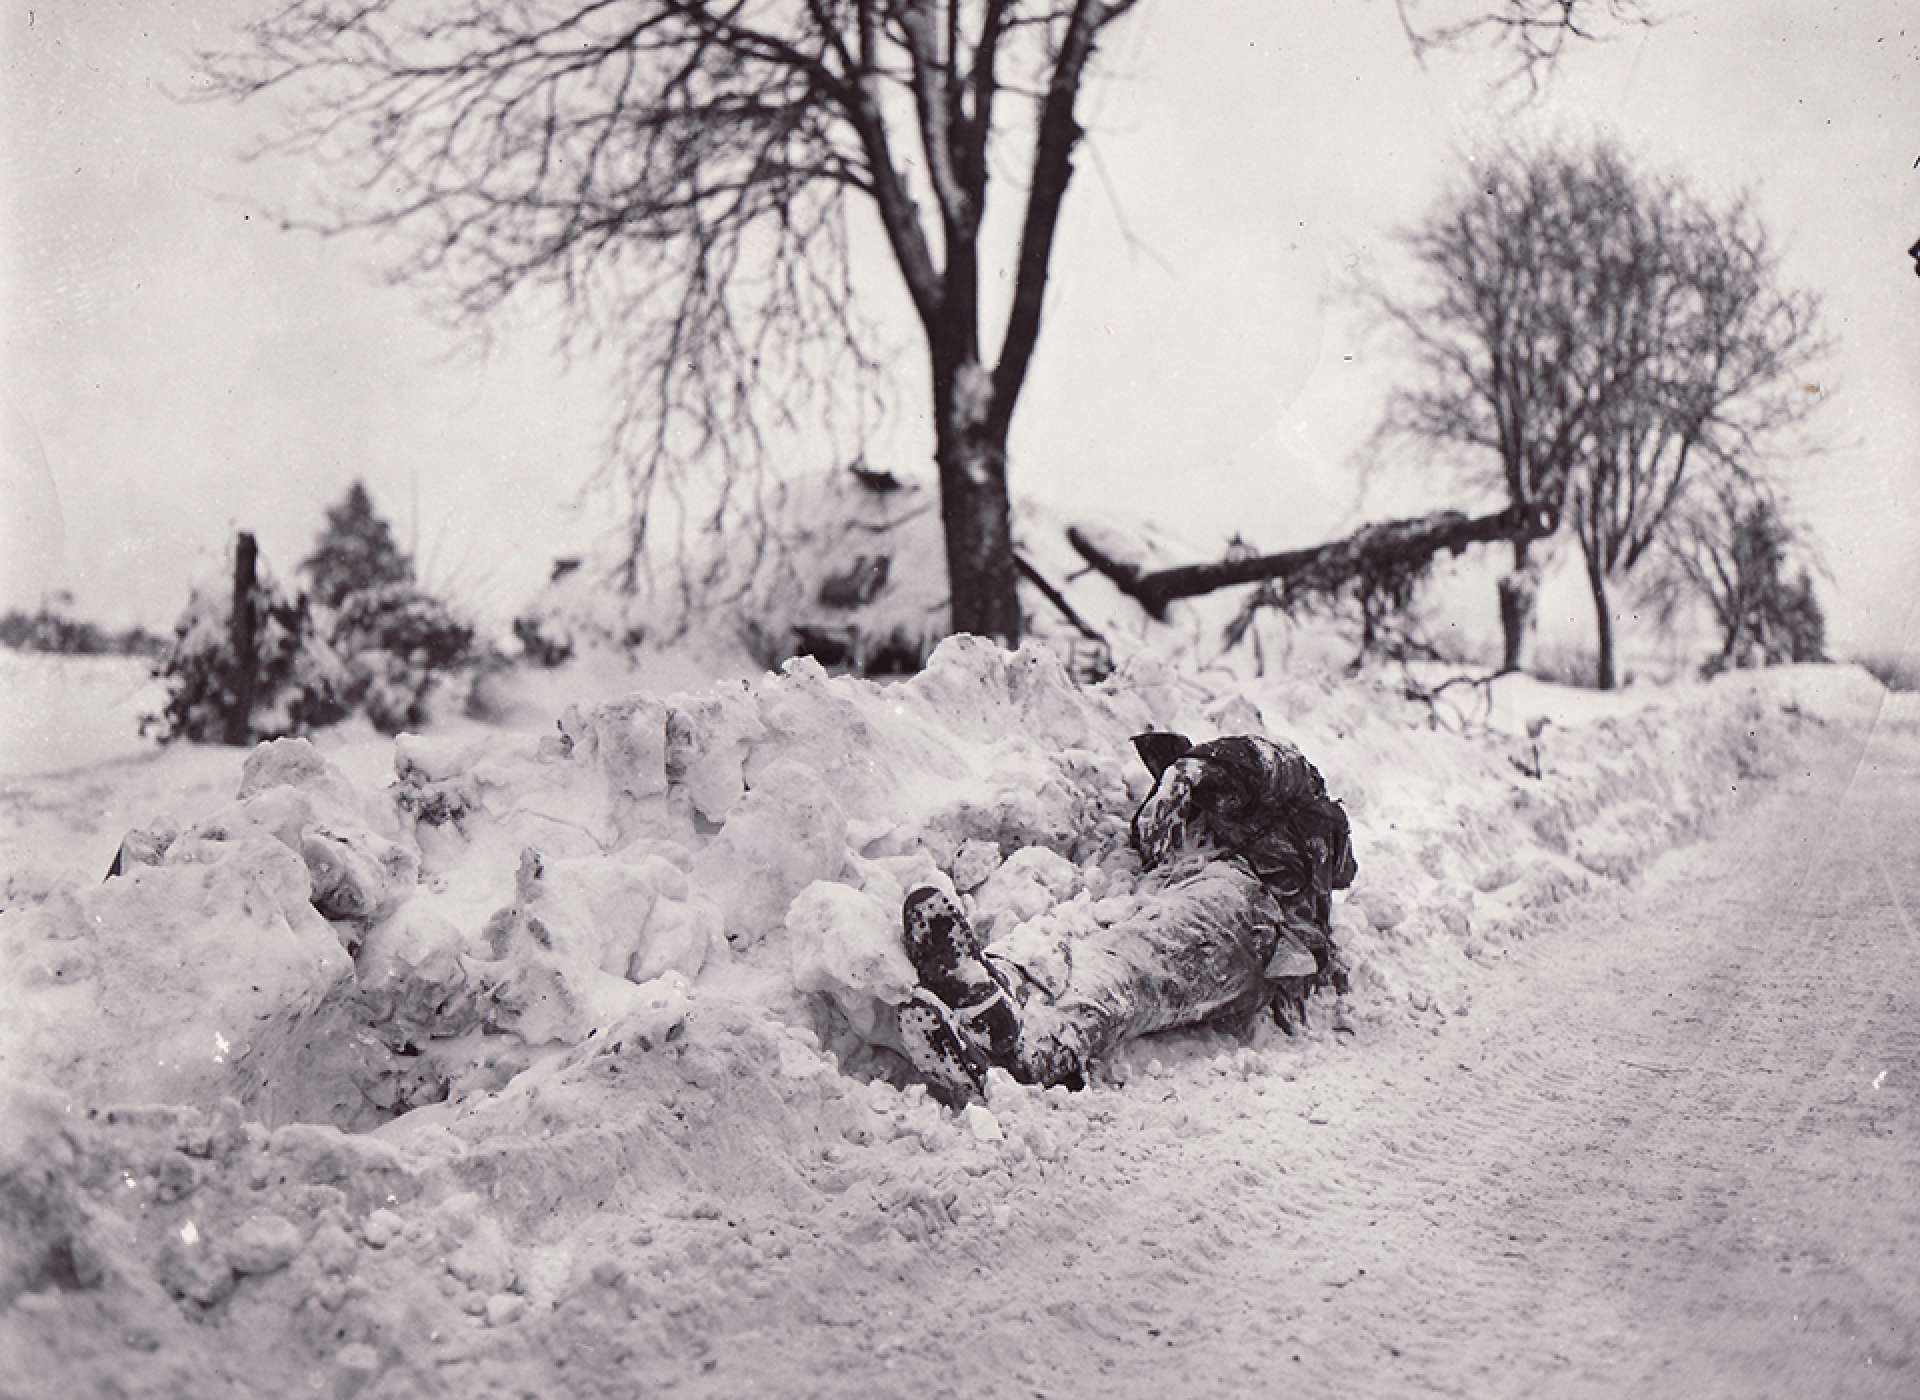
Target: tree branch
{"x":1058,"y":133}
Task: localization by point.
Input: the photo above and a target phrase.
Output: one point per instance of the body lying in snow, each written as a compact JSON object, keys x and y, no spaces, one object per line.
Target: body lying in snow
{"x":1243,"y":849}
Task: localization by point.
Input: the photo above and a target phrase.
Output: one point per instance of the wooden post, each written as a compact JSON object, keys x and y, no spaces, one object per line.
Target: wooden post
{"x":244,"y":638}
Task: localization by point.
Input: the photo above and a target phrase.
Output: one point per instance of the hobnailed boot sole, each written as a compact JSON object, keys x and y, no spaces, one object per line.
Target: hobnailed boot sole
{"x":947,"y":959}
{"x":952,"y":1069}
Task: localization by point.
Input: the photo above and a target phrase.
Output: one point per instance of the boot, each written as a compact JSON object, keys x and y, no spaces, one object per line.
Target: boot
{"x":946,"y":956}
{"x":952,"y":1066}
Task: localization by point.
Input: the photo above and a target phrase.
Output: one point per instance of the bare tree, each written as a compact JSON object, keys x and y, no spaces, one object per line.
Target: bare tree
{"x":1588,"y":339}
{"x":1715,"y":352}
{"x":1533,"y":33}
{"x":1733,"y":547}
{"x":682,"y":172}
{"x":1509,"y":333}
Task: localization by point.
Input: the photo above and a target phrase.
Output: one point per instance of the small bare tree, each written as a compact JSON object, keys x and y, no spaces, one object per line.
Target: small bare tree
{"x":682,"y":172}
{"x":1733,"y":547}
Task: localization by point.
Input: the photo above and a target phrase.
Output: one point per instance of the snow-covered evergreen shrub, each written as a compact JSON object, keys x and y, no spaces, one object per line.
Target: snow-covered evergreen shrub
{"x":368,"y":639}
{"x":399,"y":642}
{"x":299,"y":681}
{"x":355,"y":551}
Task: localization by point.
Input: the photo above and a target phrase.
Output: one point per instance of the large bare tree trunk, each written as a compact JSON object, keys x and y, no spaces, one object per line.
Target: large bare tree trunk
{"x":1519,"y":600}
{"x":971,"y":451}
{"x":1604,"y":673}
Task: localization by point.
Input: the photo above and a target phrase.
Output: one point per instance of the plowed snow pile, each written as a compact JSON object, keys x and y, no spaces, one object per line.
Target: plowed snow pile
{"x":531,"y":1068}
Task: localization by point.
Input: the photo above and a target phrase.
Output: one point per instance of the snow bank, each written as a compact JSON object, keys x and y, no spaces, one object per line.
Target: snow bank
{"x":605,"y":1014}
{"x":328,"y":952}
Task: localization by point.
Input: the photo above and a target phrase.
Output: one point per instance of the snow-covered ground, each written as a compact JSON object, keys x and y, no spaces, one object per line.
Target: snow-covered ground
{"x":65,"y":712}
{"x":558,"y":1061}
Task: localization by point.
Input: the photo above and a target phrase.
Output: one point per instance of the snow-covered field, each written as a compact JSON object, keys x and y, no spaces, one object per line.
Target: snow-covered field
{"x":559,"y":1061}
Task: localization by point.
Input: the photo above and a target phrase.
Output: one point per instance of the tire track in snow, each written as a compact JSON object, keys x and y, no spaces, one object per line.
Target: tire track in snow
{"x":1668,"y":1108}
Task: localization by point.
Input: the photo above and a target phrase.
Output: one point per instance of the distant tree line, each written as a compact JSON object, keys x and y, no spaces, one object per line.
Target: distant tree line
{"x":53,"y":628}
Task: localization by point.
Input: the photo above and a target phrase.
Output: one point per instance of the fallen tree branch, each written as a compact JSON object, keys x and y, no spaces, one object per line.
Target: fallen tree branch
{"x":1430,"y":696}
{"x":1058,"y":599}
{"x":1378,"y":548}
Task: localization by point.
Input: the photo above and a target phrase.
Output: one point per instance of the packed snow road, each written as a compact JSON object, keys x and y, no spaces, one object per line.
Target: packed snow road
{"x":1674,"y":1151}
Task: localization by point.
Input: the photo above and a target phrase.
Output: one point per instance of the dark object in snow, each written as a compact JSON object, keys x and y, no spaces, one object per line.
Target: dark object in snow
{"x":243,"y":629}
{"x":1243,"y":849}
{"x":1260,"y":801}
{"x":141,"y":847}
{"x":1381,"y":548}
{"x":894,"y":654}
{"x":1263,"y":806}
{"x":860,"y":582}
{"x":876,"y":479}
{"x":1089,"y":662}
{"x":540,"y":648}
{"x":946,"y":957}
{"x":1158,"y":751}
{"x":1090,"y":657}
{"x":953,"y":1068}
{"x":561,"y":568}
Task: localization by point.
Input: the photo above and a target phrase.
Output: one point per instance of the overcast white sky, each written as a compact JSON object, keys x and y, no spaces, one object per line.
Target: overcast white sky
{"x":175,"y":366}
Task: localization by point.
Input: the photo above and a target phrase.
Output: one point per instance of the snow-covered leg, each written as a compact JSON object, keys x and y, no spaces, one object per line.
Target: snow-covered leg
{"x":1052,"y":1051}
{"x":1201,"y":949}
